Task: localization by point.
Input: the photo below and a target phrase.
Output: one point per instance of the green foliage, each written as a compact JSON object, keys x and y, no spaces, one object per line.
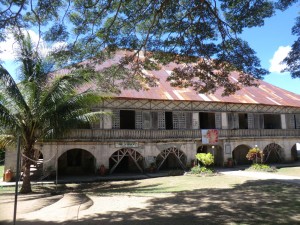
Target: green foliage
{"x":197,"y":29}
{"x":40,"y":108}
{"x":1,"y":171}
{"x":262,"y":168}
{"x":2,"y":156}
{"x":206,"y":159}
{"x":201,"y":170}
{"x":254,"y":154}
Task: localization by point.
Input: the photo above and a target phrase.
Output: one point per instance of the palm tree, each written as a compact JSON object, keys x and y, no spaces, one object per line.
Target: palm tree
{"x":41,"y":106}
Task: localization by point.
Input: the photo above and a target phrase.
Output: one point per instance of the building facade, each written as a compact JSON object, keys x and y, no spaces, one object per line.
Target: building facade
{"x":166,"y":127}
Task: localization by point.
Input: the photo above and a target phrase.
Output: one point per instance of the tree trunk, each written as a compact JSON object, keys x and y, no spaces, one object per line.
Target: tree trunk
{"x":26,"y":186}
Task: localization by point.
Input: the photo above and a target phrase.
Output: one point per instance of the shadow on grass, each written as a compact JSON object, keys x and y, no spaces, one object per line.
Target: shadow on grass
{"x":253,"y":202}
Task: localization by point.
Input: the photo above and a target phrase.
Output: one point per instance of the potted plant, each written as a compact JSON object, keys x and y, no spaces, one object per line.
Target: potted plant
{"x":230,"y":162}
{"x":152,"y":168}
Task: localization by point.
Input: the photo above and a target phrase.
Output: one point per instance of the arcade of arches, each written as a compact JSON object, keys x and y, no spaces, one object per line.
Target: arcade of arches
{"x":81,"y":162}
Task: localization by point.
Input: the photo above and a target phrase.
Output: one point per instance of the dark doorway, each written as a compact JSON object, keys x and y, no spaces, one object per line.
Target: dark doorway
{"x":123,"y":165}
{"x":126,"y":160}
{"x":294,"y":153}
{"x":76,"y":162}
{"x":239,"y":155}
{"x":202,"y":149}
{"x":127,"y":119}
{"x":169,"y":120}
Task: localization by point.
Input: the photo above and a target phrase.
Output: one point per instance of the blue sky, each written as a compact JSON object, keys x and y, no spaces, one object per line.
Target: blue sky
{"x":271,"y":42}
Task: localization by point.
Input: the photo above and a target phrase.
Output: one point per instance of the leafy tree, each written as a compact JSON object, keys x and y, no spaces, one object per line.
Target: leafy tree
{"x":204,"y":34}
{"x":41,"y":106}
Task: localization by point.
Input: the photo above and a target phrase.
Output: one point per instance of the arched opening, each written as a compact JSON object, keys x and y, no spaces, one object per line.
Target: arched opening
{"x":126,"y":160}
{"x":239,"y":155}
{"x":273,"y":153}
{"x":202,"y":149}
{"x":215,"y":150}
{"x":76,"y":162}
{"x":36,"y":168}
{"x":295,"y":154}
{"x":171,"y":158}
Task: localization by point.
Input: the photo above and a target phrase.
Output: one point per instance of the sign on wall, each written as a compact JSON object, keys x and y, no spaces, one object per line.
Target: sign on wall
{"x":210,"y":136}
{"x":126,"y":144}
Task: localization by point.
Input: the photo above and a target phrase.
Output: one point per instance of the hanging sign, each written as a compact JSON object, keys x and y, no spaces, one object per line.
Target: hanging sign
{"x":210,"y":136}
{"x":126,"y":144}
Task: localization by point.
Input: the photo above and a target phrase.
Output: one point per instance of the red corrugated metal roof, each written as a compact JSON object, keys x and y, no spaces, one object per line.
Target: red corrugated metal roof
{"x":264,"y":94}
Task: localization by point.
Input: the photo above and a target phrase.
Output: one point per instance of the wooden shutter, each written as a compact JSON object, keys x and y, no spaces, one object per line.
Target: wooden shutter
{"x":297,"y":121}
{"x":138,"y":120}
{"x":146,"y":120}
{"x":161,"y":120}
{"x":188,"y":120}
{"x":250,"y":120}
{"x":195,"y":121}
{"x":218,"y":120}
{"x":116,"y":119}
{"x":154,"y":119}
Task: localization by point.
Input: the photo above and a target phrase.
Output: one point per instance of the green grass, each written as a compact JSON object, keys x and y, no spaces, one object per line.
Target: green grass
{"x":1,"y":171}
{"x":289,"y":171}
{"x":220,"y":199}
{"x":173,"y":184}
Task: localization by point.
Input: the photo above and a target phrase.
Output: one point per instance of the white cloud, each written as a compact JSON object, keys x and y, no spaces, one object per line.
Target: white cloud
{"x":9,"y":47}
{"x":275,"y":63}
{"x":7,"y":52}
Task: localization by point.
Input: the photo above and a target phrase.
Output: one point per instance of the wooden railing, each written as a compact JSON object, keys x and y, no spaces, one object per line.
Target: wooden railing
{"x":101,"y":135}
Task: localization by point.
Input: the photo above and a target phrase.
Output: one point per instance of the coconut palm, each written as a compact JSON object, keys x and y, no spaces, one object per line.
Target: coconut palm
{"x":41,"y":106}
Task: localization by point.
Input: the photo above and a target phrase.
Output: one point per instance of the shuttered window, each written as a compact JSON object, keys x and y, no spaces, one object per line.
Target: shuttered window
{"x":116,"y":119}
{"x":218,"y":120}
{"x":233,"y":120}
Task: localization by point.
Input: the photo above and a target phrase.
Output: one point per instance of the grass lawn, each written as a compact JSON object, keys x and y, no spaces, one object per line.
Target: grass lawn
{"x":1,"y":171}
{"x":290,"y":171}
{"x":221,"y":199}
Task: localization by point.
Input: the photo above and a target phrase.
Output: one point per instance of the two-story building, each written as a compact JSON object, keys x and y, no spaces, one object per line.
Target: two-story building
{"x":167,"y":126}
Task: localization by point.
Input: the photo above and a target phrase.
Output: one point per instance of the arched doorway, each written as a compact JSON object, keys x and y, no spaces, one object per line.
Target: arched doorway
{"x":126,"y":160}
{"x":76,"y":162}
{"x":294,"y":153}
{"x":239,"y":155}
{"x":273,"y":153}
{"x":215,"y":150}
{"x":171,"y":158}
{"x":36,"y":168}
{"x":202,"y":149}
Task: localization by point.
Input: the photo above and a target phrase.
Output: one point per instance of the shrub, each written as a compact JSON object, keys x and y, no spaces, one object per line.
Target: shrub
{"x":205,"y":158}
{"x":201,"y":170}
{"x":262,"y":168}
{"x":254,"y":154}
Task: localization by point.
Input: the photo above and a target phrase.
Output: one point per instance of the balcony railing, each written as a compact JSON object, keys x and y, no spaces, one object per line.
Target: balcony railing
{"x":101,"y":135}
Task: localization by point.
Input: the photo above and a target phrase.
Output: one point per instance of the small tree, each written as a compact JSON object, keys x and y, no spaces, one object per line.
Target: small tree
{"x":205,"y":158}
